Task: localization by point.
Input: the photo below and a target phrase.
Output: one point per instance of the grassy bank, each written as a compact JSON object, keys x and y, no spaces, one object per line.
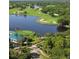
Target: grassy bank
{"x":25,"y":33}
{"x":44,"y":18}
{"x":29,"y":34}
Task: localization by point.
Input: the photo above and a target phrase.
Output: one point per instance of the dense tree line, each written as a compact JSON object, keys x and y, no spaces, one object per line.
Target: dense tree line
{"x":60,"y":9}
{"x":21,"y":53}
{"x":57,"y":46}
{"x":25,"y":3}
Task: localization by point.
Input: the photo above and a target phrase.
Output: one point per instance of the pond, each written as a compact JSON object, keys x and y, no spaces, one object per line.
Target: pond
{"x":30,"y":23}
{"x":13,"y":36}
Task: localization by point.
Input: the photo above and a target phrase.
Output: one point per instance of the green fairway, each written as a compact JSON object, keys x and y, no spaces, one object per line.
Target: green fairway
{"x":24,"y":32}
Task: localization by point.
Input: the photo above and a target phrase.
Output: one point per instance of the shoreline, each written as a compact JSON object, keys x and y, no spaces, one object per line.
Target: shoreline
{"x":41,"y":20}
{"x":44,"y":18}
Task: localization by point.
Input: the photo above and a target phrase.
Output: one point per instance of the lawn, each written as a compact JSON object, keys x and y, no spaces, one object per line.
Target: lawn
{"x":13,"y":11}
{"x":25,"y":33}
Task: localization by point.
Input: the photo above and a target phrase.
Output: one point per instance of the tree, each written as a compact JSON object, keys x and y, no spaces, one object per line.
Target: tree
{"x":57,"y":46}
{"x":22,"y":53}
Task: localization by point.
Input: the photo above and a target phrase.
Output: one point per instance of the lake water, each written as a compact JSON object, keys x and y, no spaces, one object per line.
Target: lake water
{"x":30,"y":23}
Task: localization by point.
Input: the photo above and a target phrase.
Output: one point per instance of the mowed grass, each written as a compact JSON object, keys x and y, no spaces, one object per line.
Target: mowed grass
{"x":13,"y":11}
{"x":29,"y":34}
{"x":36,"y":12}
{"x":24,"y":32}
